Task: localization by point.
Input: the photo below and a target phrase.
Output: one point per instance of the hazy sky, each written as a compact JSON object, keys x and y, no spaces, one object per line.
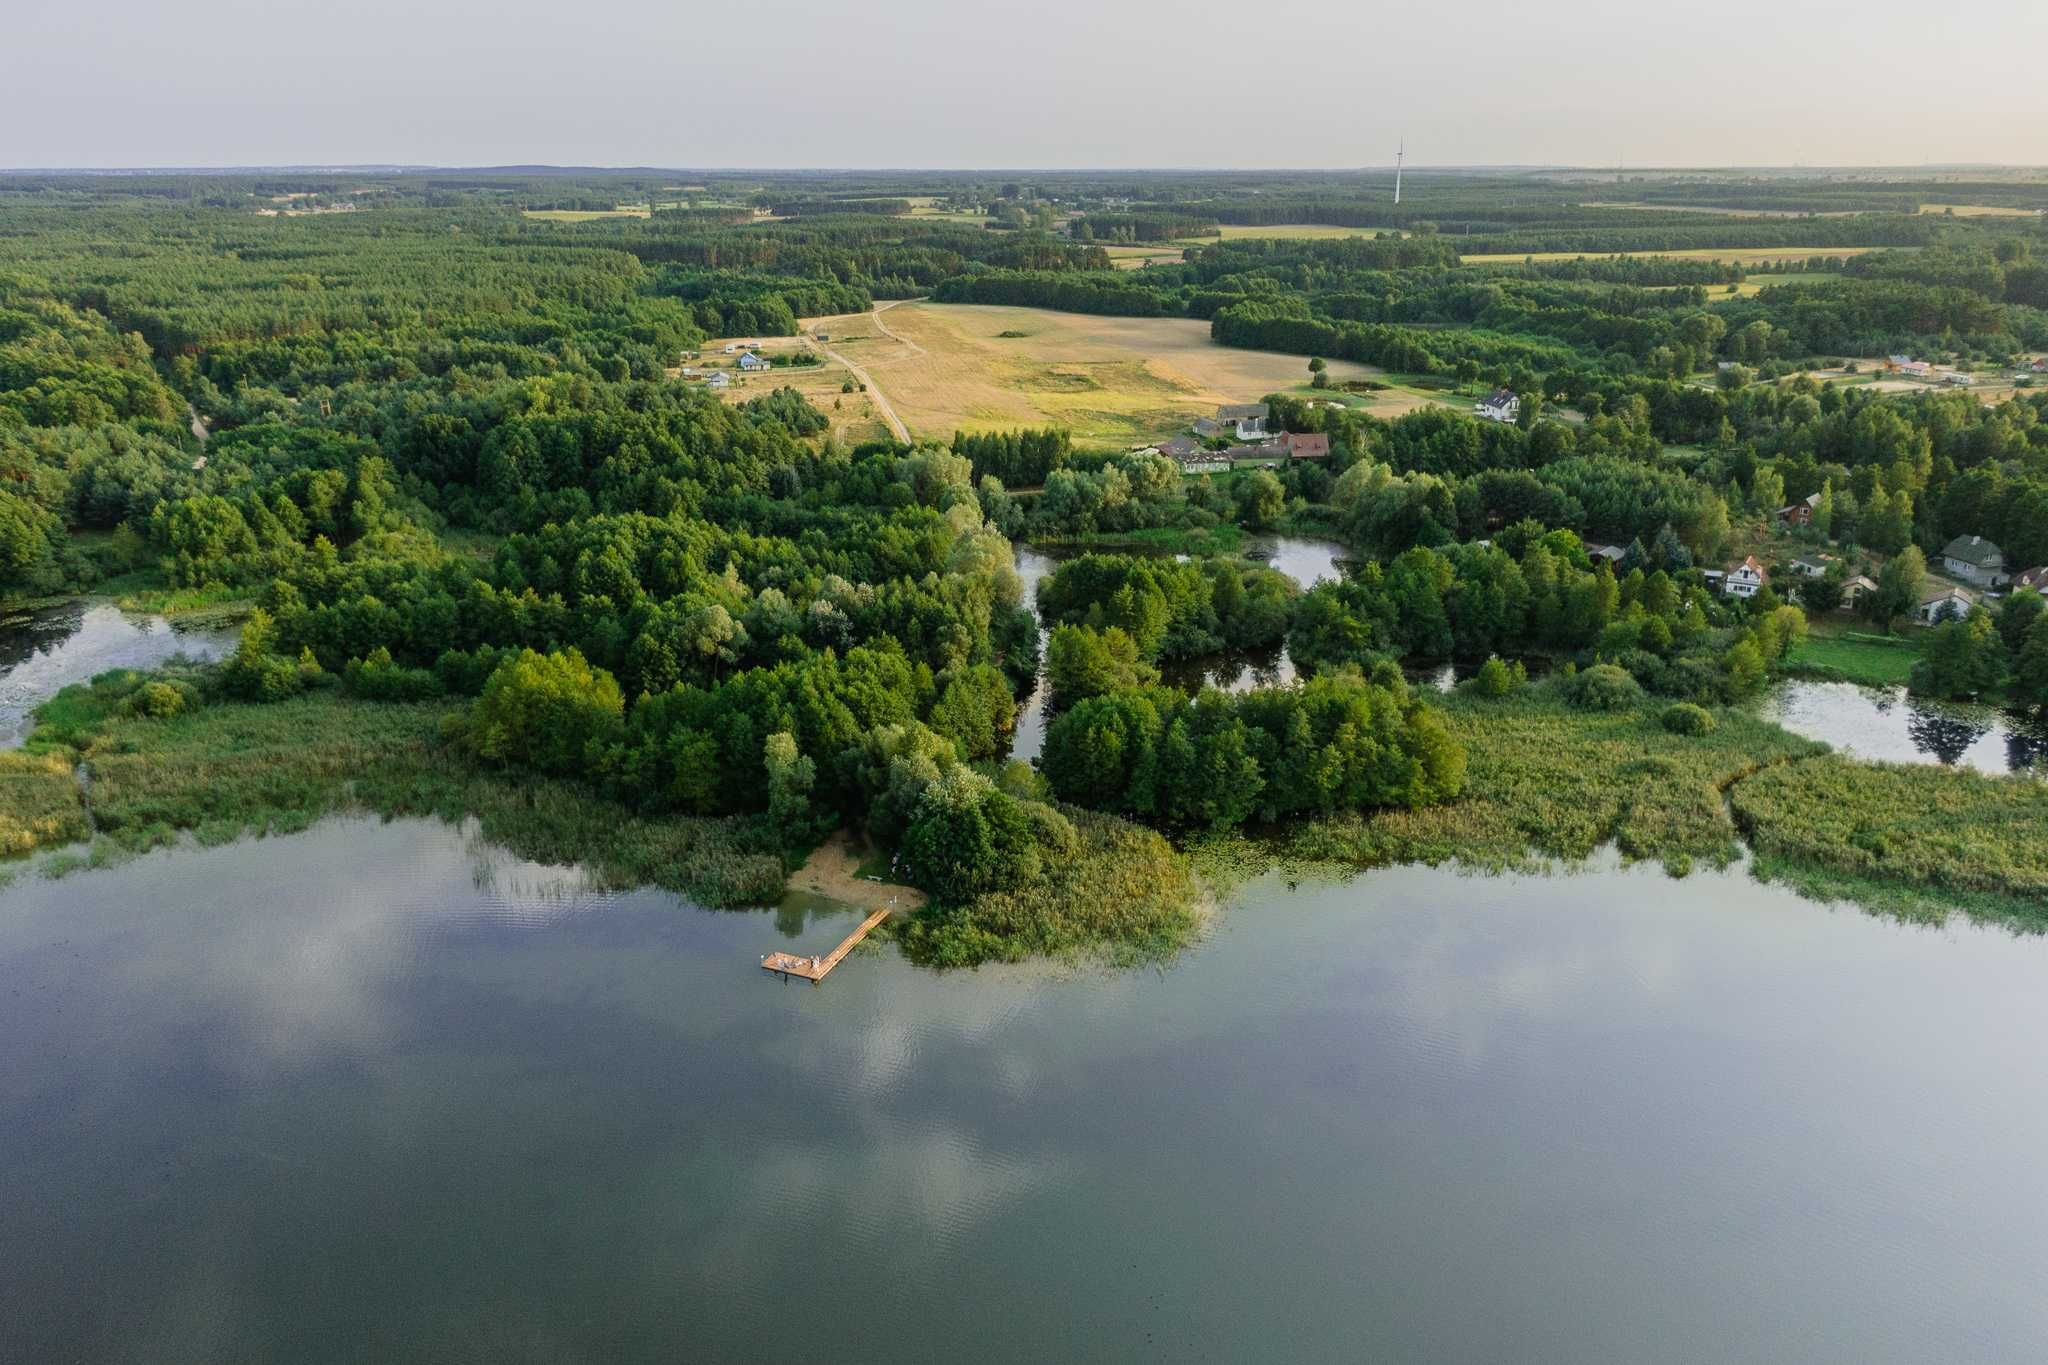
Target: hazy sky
{"x":1057,"y":83}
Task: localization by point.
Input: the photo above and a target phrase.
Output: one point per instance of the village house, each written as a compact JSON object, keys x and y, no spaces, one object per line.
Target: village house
{"x":1307,"y":446}
{"x":1974,"y":560}
{"x":1811,"y":568}
{"x":1800,"y":513}
{"x":1275,"y":449}
{"x":1746,"y":579}
{"x":1958,"y":379}
{"x":2033,"y":580}
{"x":1502,"y":405}
{"x":751,"y":361}
{"x":1192,"y":458}
{"x":1918,"y":369}
{"x":1613,"y":554}
{"x":1853,"y":590}
{"x":718,"y":379}
{"x":1945,"y":604}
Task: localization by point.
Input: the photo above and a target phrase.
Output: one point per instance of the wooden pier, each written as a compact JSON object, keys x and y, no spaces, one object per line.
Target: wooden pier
{"x":816,"y":968}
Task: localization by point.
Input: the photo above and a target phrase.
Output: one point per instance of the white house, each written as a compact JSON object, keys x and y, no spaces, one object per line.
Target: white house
{"x":1502,"y":405}
{"x":1811,"y":568}
{"x":1958,"y":379}
{"x":1853,"y":589}
{"x":1746,"y":579}
{"x":750,"y":361}
{"x":718,"y":379}
{"x":1945,"y":603}
{"x":1974,"y":560}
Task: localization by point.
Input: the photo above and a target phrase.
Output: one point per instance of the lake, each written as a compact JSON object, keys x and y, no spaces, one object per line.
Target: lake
{"x":44,"y":651}
{"x":380,"y":1091}
{"x":1888,"y":724}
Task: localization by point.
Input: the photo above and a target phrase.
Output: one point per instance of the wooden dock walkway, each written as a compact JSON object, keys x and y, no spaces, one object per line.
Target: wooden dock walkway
{"x":816,"y":968}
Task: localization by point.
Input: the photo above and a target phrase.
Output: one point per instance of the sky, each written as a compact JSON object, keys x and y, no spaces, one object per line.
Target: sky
{"x":1054,"y":83}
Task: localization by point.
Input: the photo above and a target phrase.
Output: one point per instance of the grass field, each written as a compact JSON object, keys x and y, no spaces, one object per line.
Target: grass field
{"x":947,"y":368}
{"x":1737,"y":255}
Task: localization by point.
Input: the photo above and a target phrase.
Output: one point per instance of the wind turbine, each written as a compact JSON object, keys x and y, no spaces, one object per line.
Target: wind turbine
{"x":1401,"y":153}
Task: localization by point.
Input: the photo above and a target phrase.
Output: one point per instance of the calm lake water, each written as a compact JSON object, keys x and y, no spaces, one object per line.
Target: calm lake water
{"x":1886,"y":723}
{"x":1305,"y":561}
{"x":45,"y":651}
{"x":376,"y":1091}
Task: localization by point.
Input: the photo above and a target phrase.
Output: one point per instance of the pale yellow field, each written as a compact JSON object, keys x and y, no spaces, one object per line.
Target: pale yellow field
{"x":1739,"y":255}
{"x":1138,"y":257}
{"x":946,"y":368}
{"x":1296,"y":231}
{"x":582,"y":215}
{"x":1980,"y":211}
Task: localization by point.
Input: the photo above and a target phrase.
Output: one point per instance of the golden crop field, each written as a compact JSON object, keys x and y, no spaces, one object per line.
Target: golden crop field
{"x":947,"y":368}
{"x":1296,"y":231}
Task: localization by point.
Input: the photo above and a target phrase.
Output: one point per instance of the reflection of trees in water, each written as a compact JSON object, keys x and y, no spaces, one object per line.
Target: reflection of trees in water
{"x":1947,"y":735}
{"x":2026,"y":747}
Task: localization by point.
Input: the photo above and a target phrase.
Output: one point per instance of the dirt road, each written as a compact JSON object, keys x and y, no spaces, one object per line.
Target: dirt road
{"x":881,"y":400}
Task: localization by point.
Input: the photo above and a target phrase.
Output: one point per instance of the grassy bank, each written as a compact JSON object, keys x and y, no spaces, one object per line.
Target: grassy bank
{"x":1910,"y":839}
{"x":1225,"y":539}
{"x":228,"y":771}
{"x":224,"y":772}
{"x":1847,"y":656}
{"x":1546,"y":781}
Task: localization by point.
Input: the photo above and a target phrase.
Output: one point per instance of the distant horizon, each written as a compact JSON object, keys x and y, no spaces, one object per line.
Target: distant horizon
{"x":1127,"y":85}
{"x":629,"y":168}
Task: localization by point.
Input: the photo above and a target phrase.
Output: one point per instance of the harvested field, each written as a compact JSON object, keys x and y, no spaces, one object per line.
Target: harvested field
{"x":948,"y":367}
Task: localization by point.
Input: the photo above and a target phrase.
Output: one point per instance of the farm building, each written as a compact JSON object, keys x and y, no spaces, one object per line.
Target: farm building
{"x":1307,"y":446}
{"x":1957,"y":379}
{"x":1247,"y":420}
{"x":1918,"y":369}
{"x":718,"y":379}
{"x":1974,"y":560}
{"x":1945,"y":604}
{"x":1613,"y":554}
{"x":1502,"y":405}
{"x":1746,"y":579}
{"x":751,"y":361}
{"x":1275,"y":449}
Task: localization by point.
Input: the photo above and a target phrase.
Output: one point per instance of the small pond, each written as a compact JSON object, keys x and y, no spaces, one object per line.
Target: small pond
{"x":44,"y":651}
{"x":1887,"y":724}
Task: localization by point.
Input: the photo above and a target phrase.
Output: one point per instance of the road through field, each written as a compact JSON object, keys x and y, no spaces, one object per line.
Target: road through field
{"x":901,"y":432}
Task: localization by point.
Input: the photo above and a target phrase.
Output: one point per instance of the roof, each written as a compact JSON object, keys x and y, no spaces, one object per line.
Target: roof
{"x":2033,"y":578}
{"x":1500,"y":398}
{"x":1749,"y":562}
{"x":1608,"y":552}
{"x":1180,"y":447}
{"x":1975,"y":551}
{"x":1308,"y":445}
{"x":1234,"y":412}
{"x":1820,"y":563}
{"x":1864,"y":581}
{"x":1943,"y":594}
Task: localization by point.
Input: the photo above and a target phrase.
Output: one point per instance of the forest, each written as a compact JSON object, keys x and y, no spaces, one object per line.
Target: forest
{"x":434,"y":452}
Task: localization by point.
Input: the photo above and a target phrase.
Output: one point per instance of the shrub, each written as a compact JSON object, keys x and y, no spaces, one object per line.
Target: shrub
{"x":1688,"y":719}
{"x":377,"y":678}
{"x":1603,"y":687}
{"x":156,"y":700}
{"x":1497,"y":678}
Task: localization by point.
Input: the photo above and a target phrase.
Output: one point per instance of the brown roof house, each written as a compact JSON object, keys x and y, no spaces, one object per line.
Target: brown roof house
{"x":1308,"y":446}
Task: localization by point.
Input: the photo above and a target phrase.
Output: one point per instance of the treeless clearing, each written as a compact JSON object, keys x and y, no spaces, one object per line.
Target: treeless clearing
{"x":947,"y":368}
{"x":1737,"y":255}
{"x":1298,"y":231}
{"x":1980,"y":211}
{"x":582,"y":215}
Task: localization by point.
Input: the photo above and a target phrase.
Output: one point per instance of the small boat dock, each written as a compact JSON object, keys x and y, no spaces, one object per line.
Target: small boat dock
{"x":816,"y":968}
